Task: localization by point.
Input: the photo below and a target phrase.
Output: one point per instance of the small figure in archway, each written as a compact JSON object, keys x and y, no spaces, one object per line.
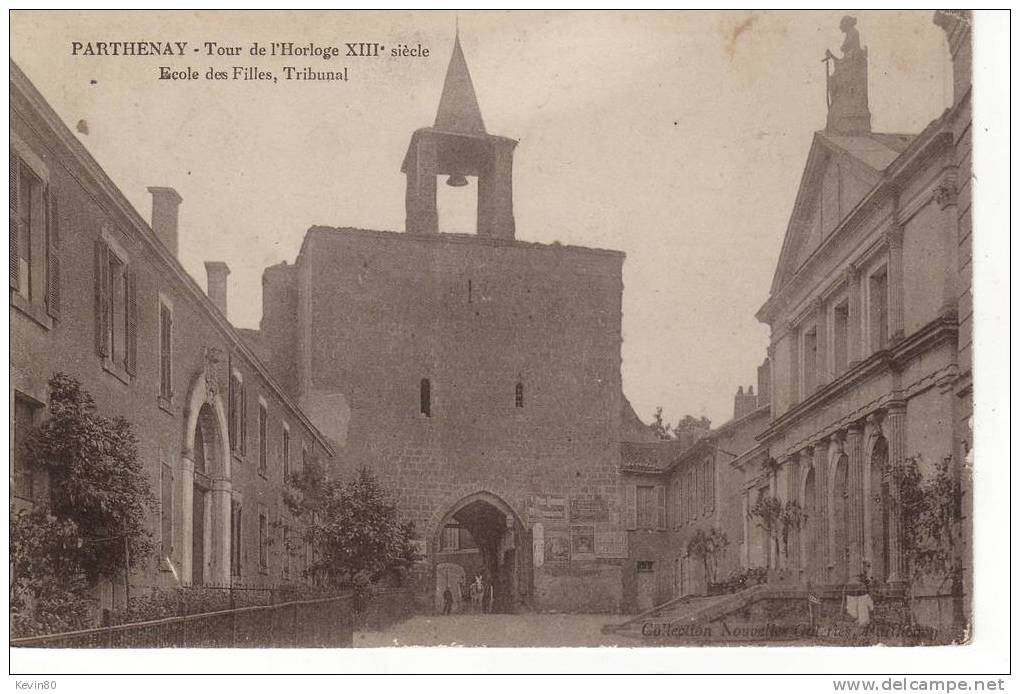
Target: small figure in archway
{"x":447,"y":600}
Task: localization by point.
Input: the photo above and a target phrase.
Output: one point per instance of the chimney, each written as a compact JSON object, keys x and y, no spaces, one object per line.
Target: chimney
{"x":164,"y":215}
{"x":216,"y":271}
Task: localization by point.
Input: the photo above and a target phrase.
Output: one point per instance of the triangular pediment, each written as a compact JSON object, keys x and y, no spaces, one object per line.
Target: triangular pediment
{"x":839,"y":173}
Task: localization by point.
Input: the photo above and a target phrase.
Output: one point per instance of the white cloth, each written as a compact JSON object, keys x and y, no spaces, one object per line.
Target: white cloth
{"x":859,"y":607}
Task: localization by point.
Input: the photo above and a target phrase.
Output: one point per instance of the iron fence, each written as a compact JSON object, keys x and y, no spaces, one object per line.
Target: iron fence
{"x":314,"y":623}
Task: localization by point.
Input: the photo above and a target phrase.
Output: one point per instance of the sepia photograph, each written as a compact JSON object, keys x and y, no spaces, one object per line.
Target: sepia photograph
{"x":636,"y":332}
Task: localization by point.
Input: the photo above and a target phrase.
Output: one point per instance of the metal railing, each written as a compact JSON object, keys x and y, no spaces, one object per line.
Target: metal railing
{"x":315,"y":623}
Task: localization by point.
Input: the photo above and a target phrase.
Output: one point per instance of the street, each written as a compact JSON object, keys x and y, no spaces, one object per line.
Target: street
{"x":497,"y":630}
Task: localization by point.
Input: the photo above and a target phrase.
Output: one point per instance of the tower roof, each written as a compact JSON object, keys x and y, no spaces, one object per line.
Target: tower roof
{"x":458,"y":106}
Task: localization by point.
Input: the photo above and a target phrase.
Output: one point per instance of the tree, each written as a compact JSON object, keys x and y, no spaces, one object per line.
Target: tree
{"x":930,"y":517}
{"x":767,"y":514}
{"x":353,"y":527}
{"x":659,"y":427}
{"x":96,"y":480}
{"x":707,"y":546}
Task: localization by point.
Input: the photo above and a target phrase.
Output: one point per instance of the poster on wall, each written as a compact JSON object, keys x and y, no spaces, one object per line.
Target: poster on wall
{"x":557,"y":544}
{"x":588,"y":510}
{"x":538,"y":545}
{"x":543,"y":508}
{"x":610,"y":541}
{"x":582,"y":542}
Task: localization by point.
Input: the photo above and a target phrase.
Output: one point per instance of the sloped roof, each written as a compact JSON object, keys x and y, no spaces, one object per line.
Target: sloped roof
{"x":872,"y":153}
{"x":458,"y":106}
{"x":876,"y":150}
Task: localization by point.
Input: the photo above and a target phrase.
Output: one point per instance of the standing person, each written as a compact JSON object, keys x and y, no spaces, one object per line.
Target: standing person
{"x":447,"y":600}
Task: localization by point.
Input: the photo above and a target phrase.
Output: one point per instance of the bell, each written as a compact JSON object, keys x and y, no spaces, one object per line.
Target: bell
{"x":456,"y":181}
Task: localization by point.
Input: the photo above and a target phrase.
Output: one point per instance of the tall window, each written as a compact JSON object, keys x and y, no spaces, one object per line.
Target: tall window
{"x":810,"y":360}
{"x":237,"y":419}
{"x":840,"y":336}
{"x":166,"y":326}
{"x":116,"y":307}
{"x":263,"y":438}
{"x":26,"y":217}
{"x":519,"y":395}
{"x":235,"y":538}
{"x":286,"y":551}
{"x":425,"y":397}
{"x":34,"y":242}
{"x":263,"y":540}
{"x":166,"y":509}
{"x":22,"y":474}
{"x":646,"y":509}
{"x":878,"y":304}
{"x":286,"y":452}
{"x":451,"y":538}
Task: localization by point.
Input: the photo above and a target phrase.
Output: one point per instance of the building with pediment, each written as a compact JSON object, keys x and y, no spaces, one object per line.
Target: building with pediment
{"x":870,"y":318}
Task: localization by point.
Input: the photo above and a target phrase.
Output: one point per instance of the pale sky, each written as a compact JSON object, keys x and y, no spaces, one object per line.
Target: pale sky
{"x":678,"y":138}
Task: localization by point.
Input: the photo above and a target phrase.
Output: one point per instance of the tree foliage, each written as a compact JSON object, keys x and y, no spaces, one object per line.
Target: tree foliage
{"x":353,"y":527}
{"x":778,"y":520}
{"x":707,"y":546}
{"x":930,"y":514}
{"x":96,"y":480}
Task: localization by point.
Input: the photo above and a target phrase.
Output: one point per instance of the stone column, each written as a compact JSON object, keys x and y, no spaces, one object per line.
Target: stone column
{"x":803,"y":559}
{"x":792,"y":470}
{"x":187,"y":522}
{"x":220,"y":522}
{"x":821,"y":519}
{"x":773,"y":557}
{"x":945,"y":196}
{"x":872,"y":428}
{"x":745,"y":552}
{"x":835,"y":450}
{"x":895,"y":429}
{"x":894,"y":238}
{"x":854,"y":352}
{"x":822,"y":342}
{"x":855,"y":489}
{"x":793,"y":335}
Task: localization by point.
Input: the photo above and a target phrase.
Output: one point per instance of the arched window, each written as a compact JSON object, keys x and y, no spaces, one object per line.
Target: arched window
{"x":426,"y":397}
{"x":519,"y":394}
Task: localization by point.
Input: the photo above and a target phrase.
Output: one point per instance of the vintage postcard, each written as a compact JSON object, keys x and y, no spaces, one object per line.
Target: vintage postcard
{"x":529,"y":329}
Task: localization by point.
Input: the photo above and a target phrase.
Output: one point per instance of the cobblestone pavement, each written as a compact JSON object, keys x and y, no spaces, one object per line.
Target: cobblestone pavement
{"x":497,"y":630}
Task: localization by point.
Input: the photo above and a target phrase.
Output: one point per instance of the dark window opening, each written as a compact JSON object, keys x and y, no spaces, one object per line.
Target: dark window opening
{"x":470,"y":293}
{"x":426,"y":397}
{"x":840,"y":336}
{"x":519,"y":395}
{"x":166,"y":322}
{"x":646,"y":567}
{"x":235,"y":538}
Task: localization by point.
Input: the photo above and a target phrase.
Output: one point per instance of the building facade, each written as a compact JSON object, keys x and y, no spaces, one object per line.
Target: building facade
{"x":98,"y":293}
{"x":869,"y":313}
{"x":477,"y":374}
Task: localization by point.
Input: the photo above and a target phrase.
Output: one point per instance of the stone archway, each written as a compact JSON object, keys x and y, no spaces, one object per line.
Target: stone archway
{"x":501,"y":540}
{"x":205,"y":488}
{"x":878,"y":509}
{"x":839,"y":505}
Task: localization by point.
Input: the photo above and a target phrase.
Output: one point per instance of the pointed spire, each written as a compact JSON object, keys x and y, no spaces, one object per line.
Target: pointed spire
{"x":458,"y":106}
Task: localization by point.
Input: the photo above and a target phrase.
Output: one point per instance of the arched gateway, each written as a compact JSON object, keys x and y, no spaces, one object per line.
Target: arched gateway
{"x":501,"y":540}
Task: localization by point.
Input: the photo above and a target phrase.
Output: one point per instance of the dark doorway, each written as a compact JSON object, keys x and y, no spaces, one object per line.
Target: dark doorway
{"x":498,"y":536}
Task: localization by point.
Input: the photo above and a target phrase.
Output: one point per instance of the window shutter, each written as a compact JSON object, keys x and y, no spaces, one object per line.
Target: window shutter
{"x":15,"y":220}
{"x":231,"y":406}
{"x":52,"y":258}
{"x":631,"y":506}
{"x":660,"y":498}
{"x":131,"y":362}
{"x":102,"y":287}
{"x":244,"y":421}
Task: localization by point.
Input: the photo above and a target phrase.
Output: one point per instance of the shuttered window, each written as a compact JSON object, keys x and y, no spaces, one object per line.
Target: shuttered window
{"x":237,"y":414}
{"x":166,"y":328}
{"x":263,"y":439}
{"x":646,"y":508}
{"x":116,"y":309}
{"x":166,"y":509}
